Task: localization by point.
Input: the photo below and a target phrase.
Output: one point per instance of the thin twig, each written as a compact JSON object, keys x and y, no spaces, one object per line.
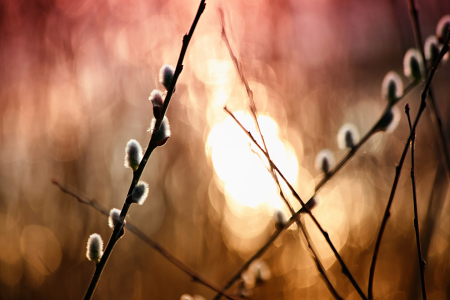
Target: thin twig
{"x":141,"y":235}
{"x":375,"y":128}
{"x":251,"y":100}
{"x":341,"y":163}
{"x":152,"y":145}
{"x":316,"y":258}
{"x":399,"y":167}
{"x":436,"y":119}
{"x":416,"y":217}
{"x":345,"y":270}
{"x":253,"y":110}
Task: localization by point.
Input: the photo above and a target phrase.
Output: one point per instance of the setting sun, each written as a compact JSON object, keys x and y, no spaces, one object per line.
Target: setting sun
{"x":243,"y":168}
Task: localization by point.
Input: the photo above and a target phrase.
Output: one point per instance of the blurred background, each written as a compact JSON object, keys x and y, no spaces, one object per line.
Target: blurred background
{"x":75,"y":77}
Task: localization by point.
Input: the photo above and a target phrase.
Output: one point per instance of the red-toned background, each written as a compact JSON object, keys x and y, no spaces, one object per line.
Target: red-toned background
{"x":75,"y":77}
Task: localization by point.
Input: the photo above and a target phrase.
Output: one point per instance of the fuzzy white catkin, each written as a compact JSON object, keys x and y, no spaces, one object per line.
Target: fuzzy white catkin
{"x":348,"y":136}
{"x":94,"y":248}
{"x":114,"y":215}
{"x":390,"y":120}
{"x":431,"y":49}
{"x":413,"y":66}
{"x":166,"y":75}
{"x":133,"y":155}
{"x":164,"y":131}
{"x":156,"y":96}
{"x":260,"y":270}
{"x":279,"y":219}
{"x":325,"y":160}
{"x":140,"y":192}
{"x":442,"y":28}
{"x":392,"y":87}
{"x":395,"y":120}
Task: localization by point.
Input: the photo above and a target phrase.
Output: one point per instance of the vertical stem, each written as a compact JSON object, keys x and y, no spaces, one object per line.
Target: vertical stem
{"x":436,"y":119}
{"x":416,"y":218}
{"x":137,"y":174}
{"x":386,"y":215}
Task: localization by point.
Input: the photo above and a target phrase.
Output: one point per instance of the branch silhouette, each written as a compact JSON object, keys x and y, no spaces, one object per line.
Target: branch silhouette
{"x":398,"y":169}
{"x":152,"y":145}
{"x":141,"y":235}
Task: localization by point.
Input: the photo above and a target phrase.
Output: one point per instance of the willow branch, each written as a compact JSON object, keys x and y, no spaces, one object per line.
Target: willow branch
{"x":152,"y":145}
{"x":416,"y":216}
{"x":386,"y":215}
{"x":253,"y":110}
{"x":345,"y":270}
{"x":436,"y":119}
{"x":341,"y":163}
{"x":316,"y":259}
{"x":141,"y":235}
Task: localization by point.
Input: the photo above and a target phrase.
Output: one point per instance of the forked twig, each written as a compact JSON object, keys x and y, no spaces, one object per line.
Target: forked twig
{"x":399,"y":167}
{"x":345,"y":270}
{"x":416,"y":217}
{"x":253,"y":110}
{"x":436,"y":119}
{"x":152,"y":145}
{"x":341,"y":163}
{"x":141,"y":235}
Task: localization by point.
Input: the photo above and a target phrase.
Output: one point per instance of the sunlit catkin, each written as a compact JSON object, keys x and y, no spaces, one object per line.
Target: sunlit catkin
{"x":392,"y":87}
{"x":133,"y":155}
{"x":390,"y":120}
{"x":166,"y":75}
{"x":95,"y":248}
{"x":324,"y":161}
{"x":279,"y":218}
{"x":260,"y":271}
{"x":113,"y":219}
{"x":348,"y":136}
{"x":413,"y":66}
{"x":442,"y":28}
{"x":163,"y":133}
{"x":140,"y":193}
{"x":156,"y":98}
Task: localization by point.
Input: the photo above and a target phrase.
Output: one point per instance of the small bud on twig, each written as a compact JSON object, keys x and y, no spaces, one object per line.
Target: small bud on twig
{"x":413,"y":66}
{"x":392,"y":87}
{"x":95,"y":248}
{"x":156,"y":98}
{"x":348,"y":136}
{"x":140,"y":193}
{"x":133,"y":155}
{"x":114,"y":215}
{"x":166,"y":75}
{"x":260,"y":271}
{"x":442,"y":28}
{"x":432,"y":48}
{"x":113,"y":219}
{"x":279,"y":219}
{"x":390,"y":120}
{"x":164,"y":131}
{"x":325,"y":161}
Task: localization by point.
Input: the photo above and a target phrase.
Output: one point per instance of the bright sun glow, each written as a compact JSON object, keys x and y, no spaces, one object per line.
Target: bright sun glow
{"x":241,"y":166}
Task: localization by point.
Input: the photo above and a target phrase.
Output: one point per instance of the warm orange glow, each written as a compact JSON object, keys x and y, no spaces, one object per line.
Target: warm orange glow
{"x":242,"y":167}
{"x":242,"y":172}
